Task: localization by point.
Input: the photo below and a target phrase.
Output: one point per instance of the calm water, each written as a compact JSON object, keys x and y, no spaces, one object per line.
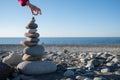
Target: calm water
{"x":80,"y":40}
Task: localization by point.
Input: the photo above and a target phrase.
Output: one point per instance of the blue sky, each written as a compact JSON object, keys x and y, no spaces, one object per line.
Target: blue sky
{"x":63,"y":18}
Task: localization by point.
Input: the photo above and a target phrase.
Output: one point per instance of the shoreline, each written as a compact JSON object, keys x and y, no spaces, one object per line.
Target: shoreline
{"x":113,"y":48}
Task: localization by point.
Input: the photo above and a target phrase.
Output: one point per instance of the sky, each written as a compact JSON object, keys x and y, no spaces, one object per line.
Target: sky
{"x":62,"y":18}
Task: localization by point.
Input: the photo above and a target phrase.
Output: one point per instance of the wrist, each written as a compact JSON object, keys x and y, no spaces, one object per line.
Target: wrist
{"x":27,"y":3}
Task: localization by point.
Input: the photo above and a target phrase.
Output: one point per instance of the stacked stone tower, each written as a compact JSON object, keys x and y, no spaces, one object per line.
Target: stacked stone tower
{"x":33,"y":54}
{"x":33,"y":51}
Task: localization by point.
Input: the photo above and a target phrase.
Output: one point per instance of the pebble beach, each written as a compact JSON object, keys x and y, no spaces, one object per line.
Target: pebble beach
{"x":74,"y":62}
{"x":113,"y":48}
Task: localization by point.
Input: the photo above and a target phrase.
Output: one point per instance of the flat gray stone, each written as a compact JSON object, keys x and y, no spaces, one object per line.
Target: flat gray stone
{"x":33,"y":39}
{"x":32,"y":30}
{"x":27,"y":57}
{"x":34,"y":51}
{"x":32,"y":26}
{"x":36,"y":67}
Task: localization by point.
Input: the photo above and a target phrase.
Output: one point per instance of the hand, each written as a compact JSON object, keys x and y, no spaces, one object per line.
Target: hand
{"x":34,"y":9}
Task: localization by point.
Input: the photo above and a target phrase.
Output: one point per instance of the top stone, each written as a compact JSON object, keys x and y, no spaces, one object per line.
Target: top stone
{"x":32,"y":24}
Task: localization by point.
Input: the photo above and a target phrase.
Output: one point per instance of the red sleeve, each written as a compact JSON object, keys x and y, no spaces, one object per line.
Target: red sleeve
{"x":22,"y":2}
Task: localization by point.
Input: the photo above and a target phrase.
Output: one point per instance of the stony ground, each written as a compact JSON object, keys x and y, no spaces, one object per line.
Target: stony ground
{"x":76,"y":62}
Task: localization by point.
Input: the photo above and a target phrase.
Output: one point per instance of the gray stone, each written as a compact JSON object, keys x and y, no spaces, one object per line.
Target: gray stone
{"x":69,"y":79}
{"x":36,"y":67}
{"x":116,"y":60}
{"x":79,"y":77}
{"x":92,"y":55}
{"x":33,"y":39}
{"x":5,"y":71}
{"x":87,"y":79}
{"x":83,"y":55}
{"x":30,"y":35}
{"x":109,"y":58}
{"x":28,"y":43}
{"x":65,"y":50}
{"x":105,"y":70}
{"x":68,"y":73}
{"x":84,"y":60}
{"x":34,"y":51}
{"x":12,"y":59}
{"x":106,"y":55}
{"x":117,"y":72}
{"x":32,"y":31}
{"x":27,"y":57}
{"x":90,"y":66}
{"x":32,"y":26}
{"x":110,"y":64}
{"x":95,"y":62}
{"x":99,"y":78}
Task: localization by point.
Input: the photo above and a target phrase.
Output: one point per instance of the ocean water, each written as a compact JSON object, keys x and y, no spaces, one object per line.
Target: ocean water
{"x":67,"y":40}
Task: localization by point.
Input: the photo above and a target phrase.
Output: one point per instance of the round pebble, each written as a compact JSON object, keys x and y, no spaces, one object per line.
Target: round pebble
{"x":68,"y":73}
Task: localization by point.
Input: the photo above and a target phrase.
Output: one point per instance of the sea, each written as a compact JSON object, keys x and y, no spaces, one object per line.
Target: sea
{"x":66,"y":40}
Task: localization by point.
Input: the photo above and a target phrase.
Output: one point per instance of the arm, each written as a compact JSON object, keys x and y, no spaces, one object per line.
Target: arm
{"x":34,"y":9}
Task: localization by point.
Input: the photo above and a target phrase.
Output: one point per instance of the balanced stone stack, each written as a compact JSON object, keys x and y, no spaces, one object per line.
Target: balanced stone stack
{"x":33,"y":53}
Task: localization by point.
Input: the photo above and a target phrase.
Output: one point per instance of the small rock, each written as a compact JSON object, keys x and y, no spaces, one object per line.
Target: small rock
{"x":99,"y":78}
{"x":99,"y":54}
{"x":106,"y":55}
{"x":28,"y":43}
{"x":116,"y":60}
{"x":105,"y":70}
{"x":92,"y":55}
{"x":84,"y":60}
{"x":109,"y":58}
{"x":27,"y":57}
{"x":84,"y":55}
{"x":95,"y":62}
{"x":87,"y":79}
{"x":79,"y":78}
{"x":69,"y":79}
{"x":110,"y":64}
{"x":68,"y":73}
{"x":65,"y":50}
{"x":13,"y":59}
{"x":32,"y":24}
{"x":59,"y":53}
{"x":90,"y":66}
{"x":35,"y":35}
{"x":33,"y":39}
{"x":117,"y":72}
{"x":32,"y":31}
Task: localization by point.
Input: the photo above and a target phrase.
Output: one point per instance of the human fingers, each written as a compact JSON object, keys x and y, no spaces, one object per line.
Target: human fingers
{"x":36,"y":11}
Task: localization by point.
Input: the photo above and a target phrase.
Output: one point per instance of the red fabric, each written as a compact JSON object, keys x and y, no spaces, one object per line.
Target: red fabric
{"x":22,"y":2}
